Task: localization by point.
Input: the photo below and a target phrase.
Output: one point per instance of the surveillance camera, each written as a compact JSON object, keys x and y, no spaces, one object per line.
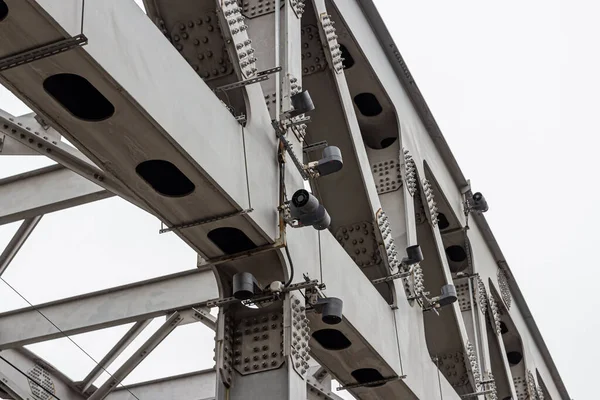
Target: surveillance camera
{"x":478,"y":203}
{"x":330,"y":162}
{"x":245,"y":286}
{"x":306,"y":209}
{"x":447,"y":296}
{"x":301,"y":103}
{"x":331,"y":310}
{"x":414,"y":255}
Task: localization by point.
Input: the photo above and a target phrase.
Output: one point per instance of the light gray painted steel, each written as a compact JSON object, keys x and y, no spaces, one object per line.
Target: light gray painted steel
{"x":199,"y":385}
{"x":112,"y":355}
{"x":366,"y":10}
{"x":13,"y":390}
{"x":106,"y":308}
{"x":27,"y":362}
{"x":43,"y":191}
{"x":10,"y":147}
{"x":124,"y":370}
{"x":18,"y":239}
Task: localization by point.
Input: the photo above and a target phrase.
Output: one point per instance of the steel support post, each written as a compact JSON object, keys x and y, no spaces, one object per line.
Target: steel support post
{"x":263,"y":352}
{"x":17,"y":242}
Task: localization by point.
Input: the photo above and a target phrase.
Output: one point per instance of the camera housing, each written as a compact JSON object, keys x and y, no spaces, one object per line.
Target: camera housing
{"x":331,"y":161}
{"x":301,"y":103}
{"x":447,"y":296}
{"x":478,"y":203}
{"x":245,"y":286}
{"x":414,"y":255}
{"x":306,"y":209}
{"x":330,"y":309}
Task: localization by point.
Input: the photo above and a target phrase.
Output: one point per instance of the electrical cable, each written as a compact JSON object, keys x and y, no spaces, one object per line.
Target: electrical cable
{"x":29,"y":378}
{"x":64,"y":334}
{"x":289,"y":257}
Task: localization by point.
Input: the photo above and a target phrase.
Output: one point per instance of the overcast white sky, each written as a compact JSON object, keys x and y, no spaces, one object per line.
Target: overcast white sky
{"x":514,"y":86}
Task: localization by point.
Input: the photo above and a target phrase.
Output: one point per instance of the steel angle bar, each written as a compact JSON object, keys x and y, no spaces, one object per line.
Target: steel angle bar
{"x":43,"y":191}
{"x":63,"y":154}
{"x":111,"y":307}
{"x":112,"y":355}
{"x":17,"y":242}
{"x":145,"y":349}
{"x":40,"y":52}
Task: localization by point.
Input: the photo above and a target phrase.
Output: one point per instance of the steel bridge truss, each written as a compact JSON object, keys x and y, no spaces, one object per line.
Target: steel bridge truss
{"x":183,"y":90}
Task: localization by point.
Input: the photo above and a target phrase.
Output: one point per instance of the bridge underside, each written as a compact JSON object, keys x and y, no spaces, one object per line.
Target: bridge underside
{"x":141,"y":98}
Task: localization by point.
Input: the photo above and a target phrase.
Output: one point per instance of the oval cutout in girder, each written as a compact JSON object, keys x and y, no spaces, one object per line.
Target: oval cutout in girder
{"x":230,"y":240}
{"x":78,"y":96}
{"x":366,"y":375}
{"x":367,"y":104}
{"x":165,"y":178}
{"x":514,"y":358}
{"x":3,"y":10}
{"x":443,"y":222}
{"x":331,"y":339}
{"x":348,"y":59}
{"x":503,"y":328}
{"x":387,"y":142}
{"x":456,"y":253}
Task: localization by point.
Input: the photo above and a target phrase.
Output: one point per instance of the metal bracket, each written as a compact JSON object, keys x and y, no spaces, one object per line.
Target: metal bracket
{"x":263,"y":297}
{"x":42,"y":51}
{"x":260,"y":76}
{"x":315,"y":146}
{"x":381,"y":381}
{"x":398,"y":275}
{"x":475,"y":394}
{"x":204,"y":221}
{"x":290,"y":151}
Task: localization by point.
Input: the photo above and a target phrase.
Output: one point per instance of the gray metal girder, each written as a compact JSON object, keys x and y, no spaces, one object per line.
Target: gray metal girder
{"x":106,"y":308}
{"x":199,"y":385}
{"x":43,"y":191}
{"x":23,"y":369}
{"x":163,"y":111}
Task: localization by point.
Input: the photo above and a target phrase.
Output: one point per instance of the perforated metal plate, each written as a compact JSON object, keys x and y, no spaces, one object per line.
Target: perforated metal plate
{"x":482,"y":295}
{"x":462,"y":291}
{"x":520,"y":388}
{"x":359,"y":241}
{"x":431,"y":203}
{"x":391,"y":254}
{"x":313,"y":56}
{"x":387,"y":176}
{"x":452,"y":365}
{"x":39,"y":374}
{"x":200,"y":42}
{"x":504,"y":289}
{"x":256,"y":8}
{"x":473,"y":365}
{"x":257,"y":343}
{"x":332,"y":44}
{"x":300,"y":337}
{"x":410,"y":173}
{"x":495,"y":315}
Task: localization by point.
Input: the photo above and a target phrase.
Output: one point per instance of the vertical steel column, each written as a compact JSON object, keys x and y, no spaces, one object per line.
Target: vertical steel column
{"x":262,"y":353}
